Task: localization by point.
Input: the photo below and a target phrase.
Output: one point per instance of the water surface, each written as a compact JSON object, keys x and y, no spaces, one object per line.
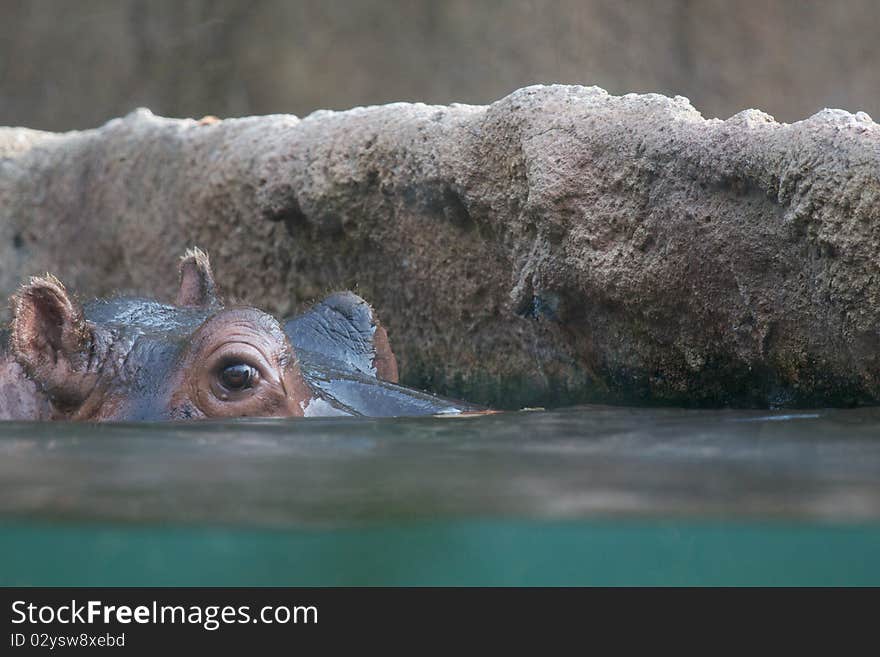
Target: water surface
{"x":582,"y":495}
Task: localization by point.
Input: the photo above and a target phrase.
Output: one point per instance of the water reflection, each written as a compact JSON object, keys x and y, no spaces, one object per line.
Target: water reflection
{"x":338,"y":472}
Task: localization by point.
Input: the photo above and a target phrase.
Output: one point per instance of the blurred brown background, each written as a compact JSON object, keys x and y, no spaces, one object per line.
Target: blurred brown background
{"x":75,"y":64}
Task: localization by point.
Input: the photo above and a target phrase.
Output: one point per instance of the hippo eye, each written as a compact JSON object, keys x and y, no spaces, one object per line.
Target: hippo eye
{"x":238,"y":376}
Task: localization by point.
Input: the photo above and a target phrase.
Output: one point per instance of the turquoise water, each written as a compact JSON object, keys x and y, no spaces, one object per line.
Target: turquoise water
{"x":592,"y":495}
{"x":490,"y":553}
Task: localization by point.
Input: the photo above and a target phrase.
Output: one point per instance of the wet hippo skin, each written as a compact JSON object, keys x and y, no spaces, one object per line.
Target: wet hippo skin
{"x":129,"y":358}
{"x":346,"y":358}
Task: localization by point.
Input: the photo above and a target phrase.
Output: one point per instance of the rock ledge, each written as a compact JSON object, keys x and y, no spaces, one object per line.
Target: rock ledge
{"x":559,"y":245}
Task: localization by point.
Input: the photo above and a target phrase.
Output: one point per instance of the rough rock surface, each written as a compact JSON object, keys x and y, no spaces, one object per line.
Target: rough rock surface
{"x":559,"y":245}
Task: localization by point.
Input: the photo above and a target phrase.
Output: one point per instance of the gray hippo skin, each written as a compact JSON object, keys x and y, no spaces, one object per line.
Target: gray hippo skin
{"x":346,"y":359}
{"x":129,"y":358}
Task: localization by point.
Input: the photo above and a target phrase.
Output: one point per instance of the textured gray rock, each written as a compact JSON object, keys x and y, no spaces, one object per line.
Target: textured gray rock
{"x":558,"y":245}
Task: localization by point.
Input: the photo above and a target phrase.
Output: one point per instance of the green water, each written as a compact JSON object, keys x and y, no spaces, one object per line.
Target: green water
{"x":491,"y":553}
{"x":592,"y":495}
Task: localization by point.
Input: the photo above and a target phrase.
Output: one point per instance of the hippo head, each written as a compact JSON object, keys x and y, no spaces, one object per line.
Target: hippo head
{"x":138,"y":359}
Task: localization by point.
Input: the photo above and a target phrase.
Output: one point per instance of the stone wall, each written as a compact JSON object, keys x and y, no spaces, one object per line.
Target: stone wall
{"x":66,"y":65}
{"x":559,"y":245}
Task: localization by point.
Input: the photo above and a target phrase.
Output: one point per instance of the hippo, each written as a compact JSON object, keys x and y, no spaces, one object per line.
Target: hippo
{"x":134,"y":358}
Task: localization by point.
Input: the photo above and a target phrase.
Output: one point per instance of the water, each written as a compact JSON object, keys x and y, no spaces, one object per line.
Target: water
{"x":590,"y":495}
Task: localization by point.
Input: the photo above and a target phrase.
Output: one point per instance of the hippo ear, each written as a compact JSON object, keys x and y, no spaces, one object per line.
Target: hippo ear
{"x":197,"y":286}
{"x":384,"y":359}
{"x":344,"y":327}
{"x":51,"y":338}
